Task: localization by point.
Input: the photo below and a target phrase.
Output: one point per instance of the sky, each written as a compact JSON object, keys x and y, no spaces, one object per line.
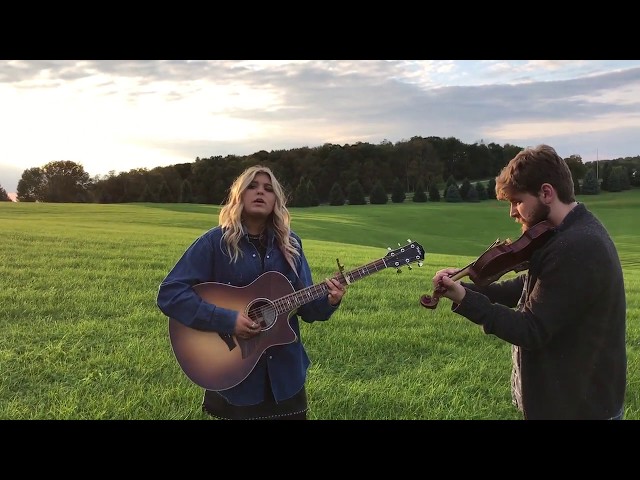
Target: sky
{"x":119,"y":115}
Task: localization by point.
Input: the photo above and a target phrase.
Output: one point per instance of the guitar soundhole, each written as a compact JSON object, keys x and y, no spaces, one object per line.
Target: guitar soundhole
{"x":263,"y":312}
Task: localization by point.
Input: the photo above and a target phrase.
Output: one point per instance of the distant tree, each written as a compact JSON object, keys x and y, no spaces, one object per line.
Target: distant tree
{"x":419,"y":195}
{"x":186,"y":194}
{"x":472,"y":194}
{"x":605,"y":172}
{"x":148,"y":195}
{"x":576,"y":184}
{"x":450,"y":181}
{"x":625,"y":182}
{"x":301,"y":194}
{"x":336,"y":195}
{"x":590,"y":185}
{"x":577,"y":168}
{"x":464,"y":189}
{"x":314,"y":200}
{"x":355,"y":193}
{"x":616,"y":179}
{"x":31,"y":186}
{"x":452,"y":194}
{"x":482,"y":190}
{"x":434,"y":193}
{"x":398,"y":194}
{"x":165,"y":195}
{"x":66,"y":181}
{"x":59,"y":181}
{"x":378,"y":196}
{"x":4,"y":196}
{"x":491,"y":189}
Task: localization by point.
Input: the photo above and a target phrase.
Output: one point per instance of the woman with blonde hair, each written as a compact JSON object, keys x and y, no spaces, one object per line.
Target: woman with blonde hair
{"x":253,"y":237}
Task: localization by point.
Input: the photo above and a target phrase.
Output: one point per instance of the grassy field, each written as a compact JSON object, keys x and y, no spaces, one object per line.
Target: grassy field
{"x":84,"y":339}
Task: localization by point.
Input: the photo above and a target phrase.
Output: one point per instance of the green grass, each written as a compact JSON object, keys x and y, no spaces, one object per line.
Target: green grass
{"x":84,"y":339}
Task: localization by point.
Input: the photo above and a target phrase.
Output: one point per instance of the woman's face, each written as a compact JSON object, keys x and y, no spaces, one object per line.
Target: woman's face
{"x":259,"y":199}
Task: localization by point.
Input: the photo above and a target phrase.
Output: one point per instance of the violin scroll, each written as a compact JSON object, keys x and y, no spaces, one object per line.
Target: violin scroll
{"x":429,"y":301}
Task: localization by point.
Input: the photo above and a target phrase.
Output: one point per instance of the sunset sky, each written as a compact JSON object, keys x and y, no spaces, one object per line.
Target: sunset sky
{"x":117,"y":115}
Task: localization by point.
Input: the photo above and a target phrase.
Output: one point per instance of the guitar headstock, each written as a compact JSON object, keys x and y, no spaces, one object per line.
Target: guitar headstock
{"x":405,"y":255}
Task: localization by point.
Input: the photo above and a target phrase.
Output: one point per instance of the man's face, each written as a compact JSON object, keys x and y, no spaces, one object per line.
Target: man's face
{"x":528,"y":209}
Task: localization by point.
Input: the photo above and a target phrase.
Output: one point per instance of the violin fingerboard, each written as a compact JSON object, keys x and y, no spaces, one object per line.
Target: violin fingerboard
{"x":521,"y":267}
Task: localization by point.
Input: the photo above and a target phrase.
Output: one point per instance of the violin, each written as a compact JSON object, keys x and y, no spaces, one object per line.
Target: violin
{"x":500,"y":258}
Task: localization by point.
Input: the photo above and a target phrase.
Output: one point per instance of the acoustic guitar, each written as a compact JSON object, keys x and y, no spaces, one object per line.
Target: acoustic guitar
{"x":218,"y":361}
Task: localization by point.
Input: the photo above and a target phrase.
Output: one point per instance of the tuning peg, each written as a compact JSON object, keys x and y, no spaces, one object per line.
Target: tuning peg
{"x":389,"y":248}
{"x":409,"y":240}
{"x":420,"y":264}
{"x":399,"y":270}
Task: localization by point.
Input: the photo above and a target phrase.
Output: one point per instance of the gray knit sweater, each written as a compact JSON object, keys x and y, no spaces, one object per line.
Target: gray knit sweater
{"x":566,"y":318}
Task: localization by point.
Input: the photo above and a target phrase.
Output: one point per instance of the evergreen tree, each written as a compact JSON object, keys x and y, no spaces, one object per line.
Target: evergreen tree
{"x":472,"y":194}
{"x":301,"y":195}
{"x":186,"y":193}
{"x":452,"y":194}
{"x":491,"y":189}
{"x":419,"y":195}
{"x":398,"y":194}
{"x":336,"y":195}
{"x":434,"y":193}
{"x":615,"y":179}
{"x":464,"y":189}
{"x":605,"y":173}
{"x":378,"y":196}
{"x":590,"y":184}
{"x":450,"y":181}
{"x":314,"y":200}
{"x":147,"y":195}
{"x":624,"y":178}
{"x":165,"y":195}
{"x":355,"y":193}
{"x":576,"y":184}
{"x":482,"y":191}
{"x":4,"y":196}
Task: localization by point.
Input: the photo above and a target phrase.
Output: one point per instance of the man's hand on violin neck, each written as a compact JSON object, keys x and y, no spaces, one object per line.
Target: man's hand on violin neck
{"x":447,"y":287}
{"x":454,"y":291}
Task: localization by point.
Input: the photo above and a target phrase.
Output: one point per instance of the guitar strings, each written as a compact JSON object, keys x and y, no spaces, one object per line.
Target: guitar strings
{"x":255,"y":313}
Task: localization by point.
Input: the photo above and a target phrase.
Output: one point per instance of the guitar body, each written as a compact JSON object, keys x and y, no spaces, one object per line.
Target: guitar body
{"x":217,"y":361}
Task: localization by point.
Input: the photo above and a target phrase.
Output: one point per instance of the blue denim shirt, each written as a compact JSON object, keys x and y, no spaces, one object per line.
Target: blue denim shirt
{"x":207,"y":260}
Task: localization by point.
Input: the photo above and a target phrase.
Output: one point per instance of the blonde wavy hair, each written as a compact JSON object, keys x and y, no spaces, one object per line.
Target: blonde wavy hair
{"x":230,"y":218}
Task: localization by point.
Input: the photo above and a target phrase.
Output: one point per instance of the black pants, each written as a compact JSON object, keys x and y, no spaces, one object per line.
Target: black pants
{"x":294,"y":408}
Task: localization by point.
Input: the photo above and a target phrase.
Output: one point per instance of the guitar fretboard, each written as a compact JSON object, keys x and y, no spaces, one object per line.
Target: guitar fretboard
{"x":306,"y":295}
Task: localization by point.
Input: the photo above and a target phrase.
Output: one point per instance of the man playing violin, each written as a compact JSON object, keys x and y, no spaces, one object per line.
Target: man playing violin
{"x":566,"y":316}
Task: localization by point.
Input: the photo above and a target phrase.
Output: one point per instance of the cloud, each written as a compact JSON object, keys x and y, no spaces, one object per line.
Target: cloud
{"x":120,"y":115}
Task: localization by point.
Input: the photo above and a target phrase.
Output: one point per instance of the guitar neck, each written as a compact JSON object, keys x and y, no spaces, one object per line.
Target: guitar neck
{"x":301,"y":297}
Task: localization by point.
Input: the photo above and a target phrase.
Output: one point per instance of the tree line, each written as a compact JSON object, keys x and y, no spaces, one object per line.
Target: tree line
{"x":430,"y":169}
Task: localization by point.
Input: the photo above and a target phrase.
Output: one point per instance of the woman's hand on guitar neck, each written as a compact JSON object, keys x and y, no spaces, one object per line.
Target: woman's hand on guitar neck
{"x":446,"y":283}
